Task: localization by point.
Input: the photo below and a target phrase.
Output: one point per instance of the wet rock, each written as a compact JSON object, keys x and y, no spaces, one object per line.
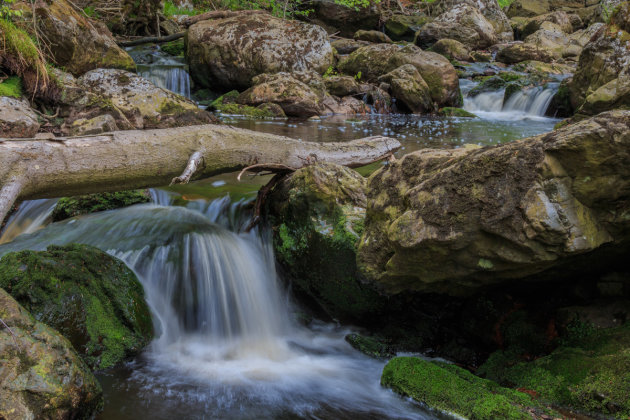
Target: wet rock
{"x":452,"y":49}
{"x":342,"y":85}
{"x":404,"y":27}
{"x":371,"y":346}
{"x":455,"y":390}
{"x":91,"y":298}
{"x":452,"y":221}
{"x":317,"y":216}
{"x":295,"y":97}
{"x":228,"y":53}
{"x":463,"y":23}
{"x":519,"y":51}
{"x":409,"y":88}
{"x":17,"y":119}
{"x":601,"y":78}
{"x":42,"y":375}
{"x":374,"y":61}
{"x":91,"y":203}
{"x":97,"y":125}
{"x":77,"y":43}
{"x":345,"y":20}
{"x":376,"y":37}
{"x":134,"y":101}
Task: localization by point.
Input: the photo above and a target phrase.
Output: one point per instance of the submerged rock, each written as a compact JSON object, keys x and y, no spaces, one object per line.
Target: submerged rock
{"x":228,"y":53}
{"x":42,"y":375}
{"x":317,"y":217}
{"x":77,"y":43}
{"x":91,"y":203}
{"x":91,"y":298}
{"x":454,"y":390}
{"x":452,"y":221}
{"x":17,"y":119}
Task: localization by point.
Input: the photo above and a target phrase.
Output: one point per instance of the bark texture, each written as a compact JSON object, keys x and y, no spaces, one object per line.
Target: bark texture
{"x":122,"y":160}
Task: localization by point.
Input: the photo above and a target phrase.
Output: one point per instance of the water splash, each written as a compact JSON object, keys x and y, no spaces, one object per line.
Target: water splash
{"x":28,"y":218}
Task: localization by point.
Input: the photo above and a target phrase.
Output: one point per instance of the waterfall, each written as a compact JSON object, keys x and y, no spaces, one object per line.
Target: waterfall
{"x":162,"y":69}
{"x":226,"y":346}
{"x":528,"y":103}
{"x":29,"y":217}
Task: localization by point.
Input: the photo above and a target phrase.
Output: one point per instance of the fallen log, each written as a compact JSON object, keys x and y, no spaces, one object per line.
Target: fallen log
{"x":122,"y":160}
{"x":151,"y":40}
{"x":220,"y":14}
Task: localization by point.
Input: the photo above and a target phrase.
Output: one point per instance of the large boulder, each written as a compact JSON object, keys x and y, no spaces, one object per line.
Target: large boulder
{"x":604,"y":59}
{"x":91,"y":298}
{"x":409,"y":89}
{"x":519,"y":51}
{"x":17,"y":119}
{"x":373,"y":61}
{"x":559,"y":18}
{"x":528,"y":8}
{"x":75,"y":42}
{"x":463,"y":23}
{"x":42,"y":376}
{"x":553,"y":41}
{"x":490,"y":9}
{"x":134,"y":101}
{"x":452,"y":221}
{"x":296,"y":98}
{"x":317,"y":217}
{"x":226,"y":54}
{"x":452,"y":49}
{"x":345,"y":20}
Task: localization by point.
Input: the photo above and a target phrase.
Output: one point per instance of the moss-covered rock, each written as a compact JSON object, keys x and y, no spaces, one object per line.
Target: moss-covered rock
{"x":371,"y":346}
{"x":91,"y":298}
{"x":452,"y":49}
{"x":456,"y":112}
{"x":42,"y":376}
{"x":404,"y":27}
{"x":455,"y":390}
{"x":590,"y":372}
{"x":11,"y":87}
{"x":317,"y":216}
{"x":409,"y":89}
{"x":91,"y":203}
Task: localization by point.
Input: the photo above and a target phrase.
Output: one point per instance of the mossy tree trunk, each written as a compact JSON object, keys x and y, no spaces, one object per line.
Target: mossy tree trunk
{"x":123,"y":160}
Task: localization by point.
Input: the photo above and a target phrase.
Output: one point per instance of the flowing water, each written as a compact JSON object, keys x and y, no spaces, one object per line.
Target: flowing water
{"x":29,"y":217}
{"x":164,"y":70}
{"x":226,"y":344}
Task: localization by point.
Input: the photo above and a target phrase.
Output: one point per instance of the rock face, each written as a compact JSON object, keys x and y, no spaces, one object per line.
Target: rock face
{"x":227,"y":54}
{"x":136,"y":102}
{"x":462,"y":23}
{"x":17,"y":119}
{"x":409,"y":88}
{"x":317,"y":217}
{"x":296,"y":98}
{"x":451,"y":221}
{"x":42,"y":375}
{"x":601,"y":79}
{"x":91,"y":298}
{"x":77,"y":43}
{"x":377,"y":60}
{"x":490,"y":9}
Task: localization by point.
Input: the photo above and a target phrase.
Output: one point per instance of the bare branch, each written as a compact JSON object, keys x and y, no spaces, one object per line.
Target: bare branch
{"x":195,"y":161}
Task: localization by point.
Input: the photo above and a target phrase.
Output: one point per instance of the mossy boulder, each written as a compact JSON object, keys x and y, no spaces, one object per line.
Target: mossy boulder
{"x":455,"y":390}
{"x":373,"y":36}
{"x":409,"y":89}
{"x":91,"y":203}
{"x":603,"y":61}
{"x":339,"y":17}
{"x":317,"y":217}
{"x":434,"y":217}
{"x":90,"y":297}
{"x":77,"y":43}
{"x":590,"y":372}
{"x":528,"y":8}
{"x":228,"y":53}
{"x":452,"y":49}
{"x":519,"y":51}
{"x":372,"y":346}
{"x":404,"y":27}
{"x":456,"y":112}
{"x":42,"y":376}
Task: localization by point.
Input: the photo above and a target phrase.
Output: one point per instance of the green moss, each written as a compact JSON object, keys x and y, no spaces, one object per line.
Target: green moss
{"x":372,"y":346}
{"x":91,"y":203}
{"x":456,"y":112}
{"x":175,"y":48}
{"x":452,"y":389}
{"x":11,"y":87}
{"x":590,"y":372}
{"x":91,"y":298}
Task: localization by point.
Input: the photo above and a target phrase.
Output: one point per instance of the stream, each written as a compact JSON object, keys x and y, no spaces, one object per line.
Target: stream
{"x":228,"y":345}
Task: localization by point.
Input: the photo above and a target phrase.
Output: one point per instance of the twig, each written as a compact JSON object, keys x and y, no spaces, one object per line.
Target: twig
{"x":194,"y":163}
{"x":48,"y":117}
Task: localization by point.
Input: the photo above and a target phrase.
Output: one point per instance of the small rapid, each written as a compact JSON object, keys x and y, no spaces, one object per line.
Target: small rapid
{"x":28,"y":218}
{"x":227,"y":345}
{"x":163,"y":70}
{"x":527,"y":104}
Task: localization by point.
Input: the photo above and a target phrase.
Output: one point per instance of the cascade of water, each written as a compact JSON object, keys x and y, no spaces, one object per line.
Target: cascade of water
{"x":29,"y":217}
{"x":226,"y":346}
{"x":534,"y":101}
{"x":168,"y":74}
